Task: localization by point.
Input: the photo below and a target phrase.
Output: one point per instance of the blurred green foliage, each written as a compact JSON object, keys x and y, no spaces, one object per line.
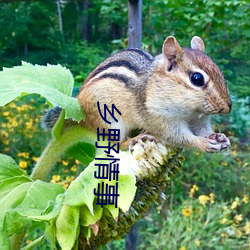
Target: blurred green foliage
{"x":30,"y":31}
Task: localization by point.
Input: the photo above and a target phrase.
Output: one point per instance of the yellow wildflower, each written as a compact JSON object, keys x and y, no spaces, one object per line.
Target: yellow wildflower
{"x":14,"y":123}
{"x":28,"y":241}
{"x":24,"y":154}
{"x":55,"y":178}
{"x":193,"y":190}
{"x":245,"y":199}
{"x":238,"y":218}
{"x":65,"y":163}
{"x":183,"y":248}
{"x":211,"y":195}
{"x":234,"y":152}
{"x":12,"y":105}
{"x":187,"y":211}
{"x":70,"y":178}
{"x":65,"y":185}
{"x":23,"y":164}
{"x":247,"y":227}
{"x":203,"y":199}
{"x":235,"y":203}
{"x":223,"y":220}
{"x":35,"y":159}
{"x":73,"y":168}
{"x":4,"y":134}
{"x":223,"y":235}
{"x":6,"y":113}
{"x":224,"y":164}
{"x":77,"y":162}
{"x":197,"y":242}
{"x":238,"y":233}
{"x":29,"y":124}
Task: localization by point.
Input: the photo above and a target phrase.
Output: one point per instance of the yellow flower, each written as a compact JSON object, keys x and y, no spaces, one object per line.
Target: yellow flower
{"x":12,"y":105}
{"x":203,"y":199}
{"x":245,"y":199}
{"x":224,"y":164}
{"x":235,"y":203}
{"x":238,"y":233}
{"x":73,"y":168}
{"x":183,"y":248}
{"x":211,"y":195}
{"x":187,"y":211}
{"x":238,"y":218}
{"x":65,"y":163}
{"x":29,"y":124}
{"x":197,"y":242}
{"x":24,"y":154}
{"x":77,"y":162}
{"x":247,"y":227}
{"x":55,"y":178}
{"x":70,"y":178}
{"x":193,"y":190}
{"x":35,"y":159}
{"x":6,"y":113}
{"x":223,"y":220}
{"x":234,"y":152}
{"x":23,"y":164}
{"x":223,"y":235}
{"x":14,"y":123}
{"x":4,"y":134}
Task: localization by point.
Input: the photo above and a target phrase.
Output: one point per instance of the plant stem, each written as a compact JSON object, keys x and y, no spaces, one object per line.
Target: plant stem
{"x":56,"y":147}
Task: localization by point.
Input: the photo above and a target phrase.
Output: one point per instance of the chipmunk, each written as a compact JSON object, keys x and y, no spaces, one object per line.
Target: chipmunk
{"x":170,"y":96}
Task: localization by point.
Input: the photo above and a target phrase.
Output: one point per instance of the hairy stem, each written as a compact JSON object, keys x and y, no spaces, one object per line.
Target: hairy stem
{"x":57,"y":146}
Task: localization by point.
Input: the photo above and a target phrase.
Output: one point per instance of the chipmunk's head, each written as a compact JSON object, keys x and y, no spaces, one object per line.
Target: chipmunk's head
{"x":198,"y":77}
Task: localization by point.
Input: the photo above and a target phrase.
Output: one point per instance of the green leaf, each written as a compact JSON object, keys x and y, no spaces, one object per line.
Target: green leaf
{"x":53,"y":82}
{"x":67,"y":226}
{"x":6,"y":186}
{"x":39,"y":194}
{"x":9,"y":168}
{"x":86,"y":218}
{"x":81,"y":190}
{"x":14,"y":198}
{"x":126,"y":190}
{"x":50,"y":234}
{"x":84,"y":152}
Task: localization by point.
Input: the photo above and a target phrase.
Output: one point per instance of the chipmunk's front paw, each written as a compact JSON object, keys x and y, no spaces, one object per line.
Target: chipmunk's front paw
{"x":217,"y":142}
{"x":141,"y":139}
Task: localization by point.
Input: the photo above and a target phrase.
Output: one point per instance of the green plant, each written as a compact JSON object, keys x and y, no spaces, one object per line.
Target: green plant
{"x":72,"y":218}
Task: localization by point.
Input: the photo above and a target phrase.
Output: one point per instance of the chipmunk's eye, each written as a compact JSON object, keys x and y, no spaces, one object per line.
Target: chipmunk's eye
{"x":197,"y":79}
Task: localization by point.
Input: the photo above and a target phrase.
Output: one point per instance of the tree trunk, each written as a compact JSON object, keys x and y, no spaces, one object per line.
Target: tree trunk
{"x":85,"y":20}
{"x":59,"y":16}
{"x":135,"y":23}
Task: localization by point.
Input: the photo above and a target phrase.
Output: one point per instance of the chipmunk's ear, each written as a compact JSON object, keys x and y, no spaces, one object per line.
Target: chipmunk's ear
{"x":171,"y":49}
{"x":197,"y":43}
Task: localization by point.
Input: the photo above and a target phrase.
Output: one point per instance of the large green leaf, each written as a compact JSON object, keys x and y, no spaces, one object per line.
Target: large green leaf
{"x":22,"y":198}
{"x":67,"y":226}
{"x":53,"y":82}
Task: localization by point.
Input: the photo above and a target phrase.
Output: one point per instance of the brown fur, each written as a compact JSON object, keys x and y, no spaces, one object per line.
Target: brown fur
{"x":156,"y":95}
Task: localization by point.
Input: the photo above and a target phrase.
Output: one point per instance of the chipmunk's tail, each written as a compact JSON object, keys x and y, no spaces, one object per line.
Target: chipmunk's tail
{"x":50,"y":117}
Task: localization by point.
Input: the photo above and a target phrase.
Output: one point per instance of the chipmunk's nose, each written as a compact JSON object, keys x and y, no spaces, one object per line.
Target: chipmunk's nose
{"x":227,"y":108}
